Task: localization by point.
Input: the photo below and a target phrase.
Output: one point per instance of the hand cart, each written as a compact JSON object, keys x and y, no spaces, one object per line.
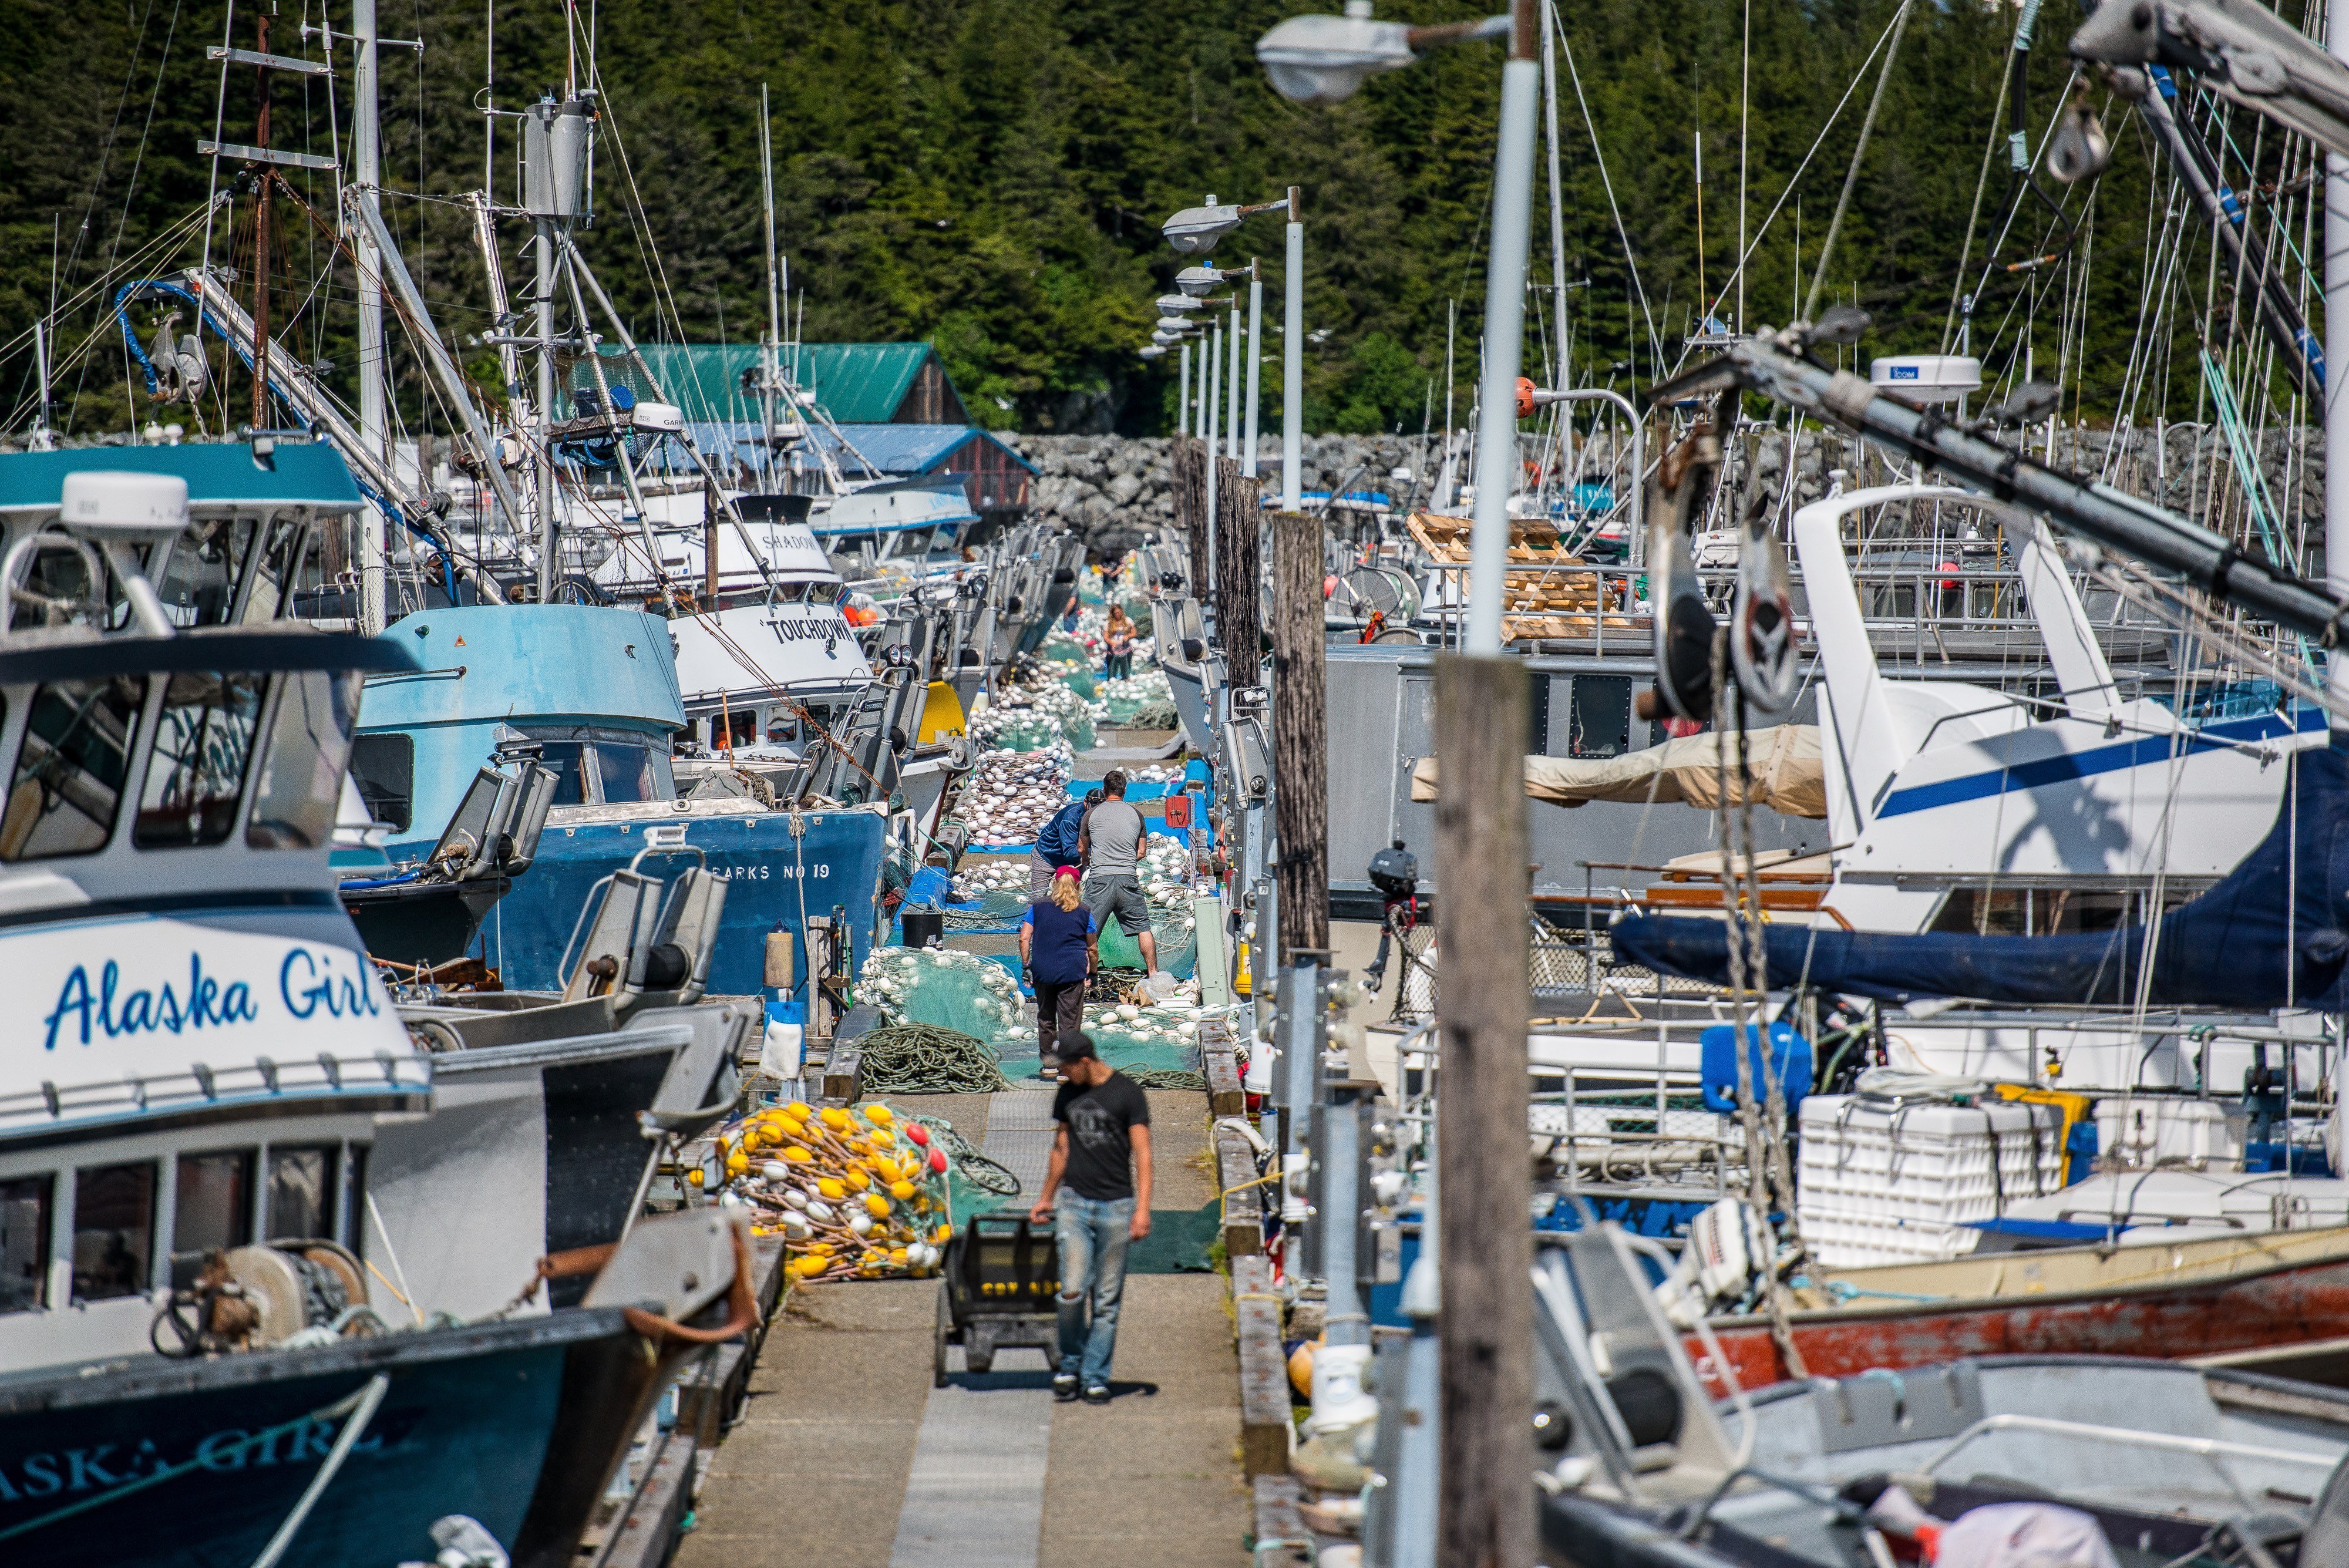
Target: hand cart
{"x":1001,"y":1276}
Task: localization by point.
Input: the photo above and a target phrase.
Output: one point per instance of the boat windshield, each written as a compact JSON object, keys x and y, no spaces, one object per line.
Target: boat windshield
{"x":607,"y":772}
{"x":195,"y":772}
{"x":294,"y":795}
{"x":65,"y":789}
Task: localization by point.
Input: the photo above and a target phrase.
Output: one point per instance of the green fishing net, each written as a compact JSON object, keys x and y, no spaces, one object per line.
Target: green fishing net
{"x":947,"y":988}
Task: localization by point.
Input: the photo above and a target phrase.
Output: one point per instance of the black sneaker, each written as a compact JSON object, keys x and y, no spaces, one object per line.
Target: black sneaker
{"x":1097,"y":1393}
{"x":1064,"y":1386}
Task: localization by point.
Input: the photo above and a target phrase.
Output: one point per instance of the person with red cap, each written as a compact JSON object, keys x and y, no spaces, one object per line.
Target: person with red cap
{"x":1056,"y":942}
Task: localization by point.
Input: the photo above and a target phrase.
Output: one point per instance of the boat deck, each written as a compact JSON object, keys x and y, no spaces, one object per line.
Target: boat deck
{"x":845,"y":1456}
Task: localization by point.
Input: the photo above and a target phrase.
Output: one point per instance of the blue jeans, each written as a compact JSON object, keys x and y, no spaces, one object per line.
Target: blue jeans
{"x":1092,"y":1235}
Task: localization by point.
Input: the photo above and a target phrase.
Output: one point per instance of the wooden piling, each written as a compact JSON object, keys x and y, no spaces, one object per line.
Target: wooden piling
{"x":1239,"y":572}
{"x":1300,"y":732}
{"x":1190,"y":486}
{"x":1484,"y":1519}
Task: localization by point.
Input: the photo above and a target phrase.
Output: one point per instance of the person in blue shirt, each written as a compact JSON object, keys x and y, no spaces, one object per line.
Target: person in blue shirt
{"x":1056,"y":943}
{"x":1056,"y":845}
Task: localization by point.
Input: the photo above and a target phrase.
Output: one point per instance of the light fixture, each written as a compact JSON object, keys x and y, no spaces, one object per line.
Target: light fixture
{"x":1325,"y":59}
{"x":1173,"y":302}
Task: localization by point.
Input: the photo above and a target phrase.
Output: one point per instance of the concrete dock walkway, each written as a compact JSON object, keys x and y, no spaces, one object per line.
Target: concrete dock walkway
{"x":846,"y":1457}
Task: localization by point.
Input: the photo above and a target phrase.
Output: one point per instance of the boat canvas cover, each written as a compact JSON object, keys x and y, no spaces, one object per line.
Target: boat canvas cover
{"x":2274,"y":932}
{"x":1781,"y":764}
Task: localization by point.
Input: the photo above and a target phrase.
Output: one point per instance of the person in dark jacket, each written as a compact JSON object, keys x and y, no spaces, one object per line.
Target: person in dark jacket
{"x":1056,"y":845}
{"x":1056,"y":943}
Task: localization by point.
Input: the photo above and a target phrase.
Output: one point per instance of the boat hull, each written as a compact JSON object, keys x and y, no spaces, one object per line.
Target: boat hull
{"x":517,"y":1425}
{"x":2287,"y":1303}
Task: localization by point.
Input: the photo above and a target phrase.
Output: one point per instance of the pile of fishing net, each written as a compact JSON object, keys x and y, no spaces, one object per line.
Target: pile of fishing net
{"x":1136,"y":702}
{"x":1010,"y":794}
{"x":945,"y":987}
{"x":1029,"y":717}
{"x":977,"y":878}
{"x":855,"y":1194}
{"x":1152,"y":1036}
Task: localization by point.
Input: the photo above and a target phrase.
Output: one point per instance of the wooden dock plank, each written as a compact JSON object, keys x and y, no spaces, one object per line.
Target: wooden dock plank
{"x":1243,"y":1214}
{"x":1265,"y":1427}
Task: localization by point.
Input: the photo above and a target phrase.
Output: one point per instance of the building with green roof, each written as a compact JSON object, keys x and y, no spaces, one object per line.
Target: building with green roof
{"x":854,"y":383}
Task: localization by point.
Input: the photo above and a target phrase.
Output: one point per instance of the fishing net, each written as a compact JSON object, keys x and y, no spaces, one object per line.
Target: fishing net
{"x":1031,"y":718}
{"x":945,"y":989}
{"x":1011,"y":794}
{"x":1124,"y":702}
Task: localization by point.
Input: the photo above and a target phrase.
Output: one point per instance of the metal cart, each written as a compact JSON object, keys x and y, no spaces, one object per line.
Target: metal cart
{"x":1001,"y":1274}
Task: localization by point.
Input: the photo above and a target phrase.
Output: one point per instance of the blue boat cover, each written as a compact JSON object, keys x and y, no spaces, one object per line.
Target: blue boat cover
{"x":2273,"y":933}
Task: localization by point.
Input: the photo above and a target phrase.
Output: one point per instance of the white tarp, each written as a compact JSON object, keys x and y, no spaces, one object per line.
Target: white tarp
{"x":1783,"y":762}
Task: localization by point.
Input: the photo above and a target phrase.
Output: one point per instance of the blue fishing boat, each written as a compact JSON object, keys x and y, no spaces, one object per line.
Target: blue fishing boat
{"x":592,"y":693}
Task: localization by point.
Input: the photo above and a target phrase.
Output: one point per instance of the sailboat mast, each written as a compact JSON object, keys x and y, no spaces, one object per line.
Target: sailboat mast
{"x":1564,"y":374}
{"x":774,"y":333}
{"x":2336,"y":352}
{"x":366,"y":173}
{"x":260,"y":214}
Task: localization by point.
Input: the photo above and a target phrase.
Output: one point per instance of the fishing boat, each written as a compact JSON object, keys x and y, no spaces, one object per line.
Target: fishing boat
{"x":2154,"y":1461}
{"x":593,"y":691}
{"x":214,"y":1120}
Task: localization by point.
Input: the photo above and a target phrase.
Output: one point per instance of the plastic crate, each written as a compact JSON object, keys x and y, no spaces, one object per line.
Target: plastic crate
{"x":1881,"y":1182}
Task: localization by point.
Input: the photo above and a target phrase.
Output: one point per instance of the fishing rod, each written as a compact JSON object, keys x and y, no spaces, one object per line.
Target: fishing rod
{"x":1783,"y":367}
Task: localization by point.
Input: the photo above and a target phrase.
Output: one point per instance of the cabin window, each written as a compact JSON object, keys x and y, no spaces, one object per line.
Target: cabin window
{"x":384,"y":769}
{"x":1600,"y":725}
{"x":199,"y":582}
{"x":212,"y":1205}
{"x":114,"y":1231}
{"x":276,"y":567}
{"x":195,"y":770}
{"x":299,"y":785}
{"x":625,"y":773}
{"x":24,"y":1242}
{"x":566,"y":759}
{"x":67,"y":789}
{"x":614,"y":772}
{"x":302,"y":1190}
{"x":355,"y":1163}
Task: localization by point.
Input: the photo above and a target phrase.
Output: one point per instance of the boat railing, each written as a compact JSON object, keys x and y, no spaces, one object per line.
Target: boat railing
{"x":1911,"y":607}
{"x":2210,"y":1450}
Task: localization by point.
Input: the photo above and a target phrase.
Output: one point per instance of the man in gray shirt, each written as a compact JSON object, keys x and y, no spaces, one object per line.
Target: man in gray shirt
{"x":1111,"y":843}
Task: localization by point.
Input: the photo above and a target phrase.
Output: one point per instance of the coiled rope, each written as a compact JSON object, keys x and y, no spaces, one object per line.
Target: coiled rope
{"x":924,"y":1059}
{"x":1165,"y":1078}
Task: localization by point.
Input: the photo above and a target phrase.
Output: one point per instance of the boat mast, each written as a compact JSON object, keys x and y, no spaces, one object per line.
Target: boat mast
{"x":1564,"y":374}
{"x":367,"y":173}
{"x":260,"y":215}
{"x":2336,"y":352}
{"x":772,"y":337}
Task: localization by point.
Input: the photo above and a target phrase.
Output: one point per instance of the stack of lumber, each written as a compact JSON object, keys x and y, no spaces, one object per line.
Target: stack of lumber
{"x":1548,"y":597}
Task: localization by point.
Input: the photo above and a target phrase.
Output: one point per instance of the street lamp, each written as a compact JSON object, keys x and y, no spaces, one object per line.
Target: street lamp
{"x":1152,"y":350}
{"x":1172,"y":303}
{"x":1194,"y":231}
{"x":1322,"y":59}
{"x":1325,"y":59}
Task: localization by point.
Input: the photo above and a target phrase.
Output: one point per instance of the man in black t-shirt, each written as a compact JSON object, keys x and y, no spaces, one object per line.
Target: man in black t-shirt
{"x":1102,"y":1154}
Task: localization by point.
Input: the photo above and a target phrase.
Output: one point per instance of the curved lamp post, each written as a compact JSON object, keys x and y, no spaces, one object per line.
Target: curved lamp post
{"x":1193,"y":232}
{"x":1323,"y":59}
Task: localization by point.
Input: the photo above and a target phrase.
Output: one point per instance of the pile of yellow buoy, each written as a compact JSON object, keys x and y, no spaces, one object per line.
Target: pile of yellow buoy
{"x":855,"y":1194}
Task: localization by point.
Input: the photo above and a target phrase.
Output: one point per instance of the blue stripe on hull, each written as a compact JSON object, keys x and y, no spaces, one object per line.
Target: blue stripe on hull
{"x":2064,"y":767}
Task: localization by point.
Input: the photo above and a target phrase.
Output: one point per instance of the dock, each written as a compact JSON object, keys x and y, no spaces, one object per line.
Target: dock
{"x":842,"y":1453}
